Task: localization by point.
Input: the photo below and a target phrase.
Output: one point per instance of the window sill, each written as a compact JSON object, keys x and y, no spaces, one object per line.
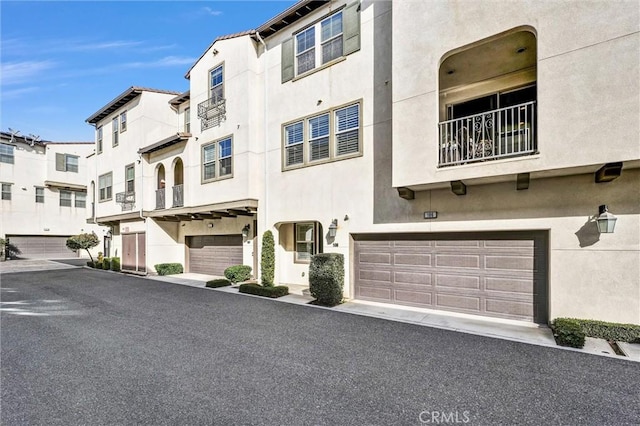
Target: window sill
{"x":320,"y":68}
{"x":319,"y":162}
{"x":216,"y":179}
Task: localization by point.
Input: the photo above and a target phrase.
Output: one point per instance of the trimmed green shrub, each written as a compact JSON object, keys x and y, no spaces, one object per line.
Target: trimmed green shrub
{"x":220,"y":282}
{"x":609,"y":330}
{"x":106,"y":263}
{"x":326,"y":278}
{"x":259,"y":290}
{"x":97,"y":265}
{"x":238,"y":273}
{"x":115,"y":264}
{"x":268,"y":259}
{"x":169,"y":268}
{"x":91,"y":264}
{"x":567,"y":332}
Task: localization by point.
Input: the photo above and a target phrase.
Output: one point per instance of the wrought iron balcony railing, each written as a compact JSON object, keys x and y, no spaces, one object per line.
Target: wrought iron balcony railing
{"x":160,"y":199}
{"x":126,"y":200}
{"x":178,"y":196}
{"x":491,"y":135}
{"x":212,"y":112}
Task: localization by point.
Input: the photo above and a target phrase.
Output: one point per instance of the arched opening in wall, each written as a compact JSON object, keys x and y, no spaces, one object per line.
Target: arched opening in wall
{"x":178,"y":183}
{"x":93,"y":199}
{"x":160,"y":184}
{"x":487,"y":99}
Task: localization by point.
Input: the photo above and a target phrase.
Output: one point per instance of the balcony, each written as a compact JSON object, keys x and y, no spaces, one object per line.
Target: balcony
{"x":178,"y":196}
{"x":212,"y":112}
{"x":126,"y":200}
{"x":492,"y":135}
{"x":160,"y":199}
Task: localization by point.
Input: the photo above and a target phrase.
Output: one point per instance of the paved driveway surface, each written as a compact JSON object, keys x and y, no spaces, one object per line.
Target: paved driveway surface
{"x":80,"y":346}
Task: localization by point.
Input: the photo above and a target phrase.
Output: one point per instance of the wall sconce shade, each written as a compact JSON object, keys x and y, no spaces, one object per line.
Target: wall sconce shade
{"x":608,"y":172}
{"x":406,"y":193}
{"x":522,"y":181}
{"x":458,"y":187}
{"x":333,"y":228}
{"x":606,"y":221}
{"x":245,"y":231}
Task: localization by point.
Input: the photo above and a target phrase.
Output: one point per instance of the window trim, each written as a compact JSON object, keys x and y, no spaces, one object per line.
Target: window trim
{"x":216,"y":160}
{"x":3,"y":192}
{"x":316,"y":242}
{"x":131,"y":166}
{"x":114,"y":132}
{"x":100,"y":199}
{"x":70,"y":200}
{"x":306,"y":162}
{"x":123,"y":123}
{"x":99,"y":140}
{"x":317,"y":45}
{"x":187,"y":120}
{"x":75,"y":200}
{"x":37,"y":196}
{"x":210,"y":88}
{"x":12,"y":156}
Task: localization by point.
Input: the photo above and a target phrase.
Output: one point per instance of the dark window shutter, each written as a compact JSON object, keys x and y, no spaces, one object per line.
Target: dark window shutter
{"x":351,"y":30}
{"x":287,"y":60}
{"x":60,"y":162}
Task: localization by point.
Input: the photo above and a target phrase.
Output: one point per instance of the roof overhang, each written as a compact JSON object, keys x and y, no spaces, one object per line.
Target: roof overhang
{"x":121,"y":100}
{"x":180,"y":99}
{"x":65,"y":185}
{"x":117,"y":218}
{"x":164,"y":143}
{"x":246,"y":207}
{"x":289,"y":16}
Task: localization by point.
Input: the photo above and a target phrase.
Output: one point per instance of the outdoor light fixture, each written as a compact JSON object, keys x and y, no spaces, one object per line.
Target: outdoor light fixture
{"x":458,"y":187}
{"x":606,"y":221}
{"x":245,"y":231}
{"x":333,"y":228}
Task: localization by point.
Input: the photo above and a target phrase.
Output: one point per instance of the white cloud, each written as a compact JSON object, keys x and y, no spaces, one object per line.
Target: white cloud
{"x":208,"y":11}
{"x":17,"y":72}
{"x":167,"y":61}
{"x":16,"y":93}
{"x":105,"y":45}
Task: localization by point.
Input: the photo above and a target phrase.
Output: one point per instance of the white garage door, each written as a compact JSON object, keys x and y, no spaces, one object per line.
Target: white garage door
{"x":42,"y":247}
{"x":499,"y":275}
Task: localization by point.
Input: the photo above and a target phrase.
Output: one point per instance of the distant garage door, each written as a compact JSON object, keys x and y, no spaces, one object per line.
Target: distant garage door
{"x":42,"y":247}
{"x":498,"y":275}
{"x":212,"y":254}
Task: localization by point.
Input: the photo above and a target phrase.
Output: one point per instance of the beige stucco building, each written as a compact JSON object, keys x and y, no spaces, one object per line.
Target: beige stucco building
{"x":44,"y":194}
{"x":461,"y":167}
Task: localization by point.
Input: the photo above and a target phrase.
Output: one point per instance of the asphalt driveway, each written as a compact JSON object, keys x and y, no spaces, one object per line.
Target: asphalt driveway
{"x":80,"y":346}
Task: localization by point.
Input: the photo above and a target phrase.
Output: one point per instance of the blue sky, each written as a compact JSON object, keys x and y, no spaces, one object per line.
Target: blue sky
{"x":62,"y":61}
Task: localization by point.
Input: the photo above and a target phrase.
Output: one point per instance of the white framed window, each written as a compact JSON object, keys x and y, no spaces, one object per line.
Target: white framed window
{"x":130,"y":179}
{"x":39,"y":194}
{"x":306,"y":50}
{"x":81,"y":199}
{"x":216,"y":83}
{"x":306,"y":243}
{"x":331,"y":37}
{"x":114,"y":129}
{"x":332,"y":135}
{"x":312,"y":51}
{"x":66,"y":162}
{"x":217,"y":159}
{"x":187,"y":120}
{"x":6,"y":153}
{"x":105,"y":186}
{"x":6,"y":191}
{"x":99,"y":140}
{"x":123,"y":121}
{"x":65,"y":198}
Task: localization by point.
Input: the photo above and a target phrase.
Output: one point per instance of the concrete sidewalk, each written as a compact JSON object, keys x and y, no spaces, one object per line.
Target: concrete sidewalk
{"x":517,"y":331}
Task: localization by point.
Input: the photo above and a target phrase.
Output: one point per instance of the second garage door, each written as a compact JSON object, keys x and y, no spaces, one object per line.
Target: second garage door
{"x":42,"y":247}
{"x":212,"y":254}
{"x":499,"y":275}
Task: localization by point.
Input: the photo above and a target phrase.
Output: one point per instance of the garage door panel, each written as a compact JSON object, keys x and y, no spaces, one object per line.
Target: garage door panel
{"x":503,"y":275}
{"x":42,"y":246}
{"x":212,"y":254}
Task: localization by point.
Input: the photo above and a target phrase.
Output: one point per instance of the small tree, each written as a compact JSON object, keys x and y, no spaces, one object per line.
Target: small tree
{"x":83,"y":242}
{"x":268,"y":259}
{"x":7,"y":249}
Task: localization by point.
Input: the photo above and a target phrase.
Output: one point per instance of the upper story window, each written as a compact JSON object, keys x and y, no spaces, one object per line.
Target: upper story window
{"x":187,"y":120}
{"x":105,"y":187}
{"x":129,"y":179}
{"x":6,"y":153}
{"x":65,"y":198}
{"x":81,"y":199}
{"x":216,"y":83}
{"x":99,"y":140}
{"x":6,"y":191}
{"x":123,"y":121}
{"x":329,"y":136}
{"x":217,"y":160}
{"x":66,"y":163}
{"x":39,"y":194}
{"x":114,"y":125}
{"x":322,"y":43}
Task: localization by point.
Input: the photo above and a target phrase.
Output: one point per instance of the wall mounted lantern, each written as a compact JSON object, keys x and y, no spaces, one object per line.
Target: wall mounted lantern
{"x":333,"y":228}
{"x":606,"y":221}
{"x":245,"y":231}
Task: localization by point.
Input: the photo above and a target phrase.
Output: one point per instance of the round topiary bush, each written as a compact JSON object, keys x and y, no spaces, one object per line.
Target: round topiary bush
{"x":238,"y":273}
{"x":326,"y":278}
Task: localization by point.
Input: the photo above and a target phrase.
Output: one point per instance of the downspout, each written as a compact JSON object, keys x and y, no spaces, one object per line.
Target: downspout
{"x":146,"y":233}
{"x":266,"y":138}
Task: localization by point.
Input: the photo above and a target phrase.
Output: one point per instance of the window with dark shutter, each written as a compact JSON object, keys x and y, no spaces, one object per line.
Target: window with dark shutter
{"x":287,"y":60}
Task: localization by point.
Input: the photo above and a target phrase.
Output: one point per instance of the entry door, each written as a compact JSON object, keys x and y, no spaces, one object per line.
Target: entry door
{"x":133,"y":252}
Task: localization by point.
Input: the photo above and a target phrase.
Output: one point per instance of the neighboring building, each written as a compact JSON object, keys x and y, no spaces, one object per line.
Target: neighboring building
{"x":44,"y":194}
{"x":458,"y":170}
